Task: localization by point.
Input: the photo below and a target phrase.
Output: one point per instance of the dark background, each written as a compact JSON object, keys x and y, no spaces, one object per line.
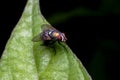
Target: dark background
{"x":91,"y":27}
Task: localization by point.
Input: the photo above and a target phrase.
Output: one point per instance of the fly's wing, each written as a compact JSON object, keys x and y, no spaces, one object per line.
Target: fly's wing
{"x":44,"y":27}
{"x":36,"y":38}
{"x":47,"y":27}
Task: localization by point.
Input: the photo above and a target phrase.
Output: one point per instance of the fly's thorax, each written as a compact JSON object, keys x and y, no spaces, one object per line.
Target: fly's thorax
{"x":57,"y":35}
{"x":52,"y":33}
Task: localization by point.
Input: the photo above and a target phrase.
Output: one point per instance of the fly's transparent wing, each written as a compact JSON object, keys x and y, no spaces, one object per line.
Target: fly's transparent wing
{"x":44,"y":27}
{"x":47,"y":27}
{"x":36,"y":38}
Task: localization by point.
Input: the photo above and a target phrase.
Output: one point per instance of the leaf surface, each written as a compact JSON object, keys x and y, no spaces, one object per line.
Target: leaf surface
{"x":23,"y":59}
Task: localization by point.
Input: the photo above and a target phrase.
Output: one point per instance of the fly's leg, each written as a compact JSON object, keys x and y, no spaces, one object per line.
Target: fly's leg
{"x":54,"y":49}
{"x":49,"y":44}
{"x":63,"y":46}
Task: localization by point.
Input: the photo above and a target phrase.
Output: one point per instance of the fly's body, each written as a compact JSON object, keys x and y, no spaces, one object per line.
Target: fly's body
{"x":50,"y":34}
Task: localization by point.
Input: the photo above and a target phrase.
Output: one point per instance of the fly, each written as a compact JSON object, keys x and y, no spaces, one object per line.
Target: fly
{"x":49,"y":35}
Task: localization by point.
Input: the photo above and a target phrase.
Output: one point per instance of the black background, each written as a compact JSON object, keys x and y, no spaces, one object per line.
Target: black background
{"x":93,"y":38}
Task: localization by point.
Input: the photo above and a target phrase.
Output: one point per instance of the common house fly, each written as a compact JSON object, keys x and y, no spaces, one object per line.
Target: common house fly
{"x":49,"y":35}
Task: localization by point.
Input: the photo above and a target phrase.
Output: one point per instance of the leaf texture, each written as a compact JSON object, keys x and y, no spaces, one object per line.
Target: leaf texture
{"x":23,"y":59}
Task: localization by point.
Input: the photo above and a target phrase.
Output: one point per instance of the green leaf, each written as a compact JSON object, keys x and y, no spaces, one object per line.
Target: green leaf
{"x":23,"y":59}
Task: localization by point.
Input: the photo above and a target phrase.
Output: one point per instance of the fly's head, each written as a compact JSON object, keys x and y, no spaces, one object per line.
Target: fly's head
{"x":59,"y":36}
